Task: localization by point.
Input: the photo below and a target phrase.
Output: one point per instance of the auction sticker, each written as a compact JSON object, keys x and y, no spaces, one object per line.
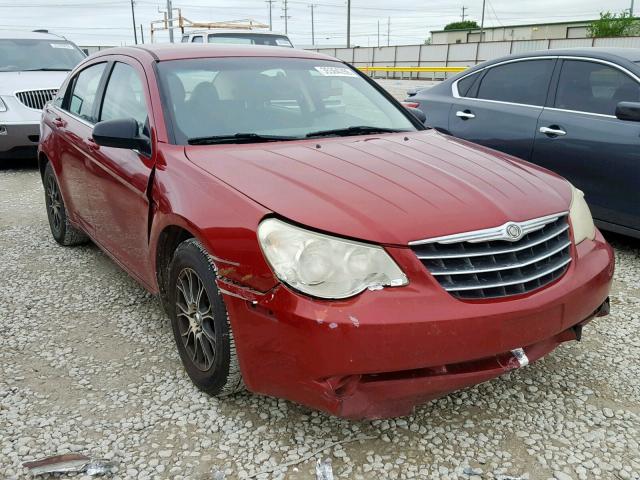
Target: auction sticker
{"x":336,"y":72}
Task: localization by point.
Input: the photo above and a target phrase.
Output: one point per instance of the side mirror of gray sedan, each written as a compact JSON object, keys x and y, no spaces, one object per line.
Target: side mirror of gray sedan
{"x":419,"y":114}
{"x":628,"y":111}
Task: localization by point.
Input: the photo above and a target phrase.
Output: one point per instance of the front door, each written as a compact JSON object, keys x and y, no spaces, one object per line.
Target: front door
{"x":120,"y":205}
{"x":500,"y":108}
{"x":580,"y":138}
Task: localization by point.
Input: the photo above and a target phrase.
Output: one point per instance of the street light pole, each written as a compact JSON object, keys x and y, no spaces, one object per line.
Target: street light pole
{"x":170,"y":19}
{"x":348,"y":23}
{"x":133,"y":18}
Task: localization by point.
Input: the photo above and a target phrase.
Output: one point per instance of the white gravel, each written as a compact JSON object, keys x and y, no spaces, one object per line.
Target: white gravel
{"x":88,"y":364}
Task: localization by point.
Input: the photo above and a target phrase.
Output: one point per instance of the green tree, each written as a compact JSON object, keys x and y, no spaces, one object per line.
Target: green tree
{"x":614,"y":25}
{"x":466,"y":25}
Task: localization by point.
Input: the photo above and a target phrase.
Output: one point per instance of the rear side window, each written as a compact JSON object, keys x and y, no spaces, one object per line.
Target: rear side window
{"x":594,"y":87}
{"x":185,"y":39}
{"x":525,"y":82}
{"x":197,"y":39}
{"x":82,"y":100}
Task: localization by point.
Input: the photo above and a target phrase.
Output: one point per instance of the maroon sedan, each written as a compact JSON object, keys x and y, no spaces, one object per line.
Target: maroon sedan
{"x":307,"y":236}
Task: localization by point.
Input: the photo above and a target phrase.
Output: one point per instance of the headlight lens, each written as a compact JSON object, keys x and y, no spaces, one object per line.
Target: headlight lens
{"x":581,"y":218}
{"x":3,"y":107}
{"x":325,"y":266}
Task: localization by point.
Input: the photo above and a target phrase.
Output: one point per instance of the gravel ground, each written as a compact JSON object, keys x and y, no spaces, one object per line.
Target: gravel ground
{"x":88,"y":364}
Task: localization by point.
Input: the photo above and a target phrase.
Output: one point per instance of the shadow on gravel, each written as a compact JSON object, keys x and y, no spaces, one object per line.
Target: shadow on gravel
{"x":622,"y":242}
{"x":28,"y":164}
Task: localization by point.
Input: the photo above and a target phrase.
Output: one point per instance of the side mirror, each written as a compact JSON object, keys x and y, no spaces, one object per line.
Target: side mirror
{"x":628,"y":111}
{"x":419,"y":114}
{"x":121,"y":133}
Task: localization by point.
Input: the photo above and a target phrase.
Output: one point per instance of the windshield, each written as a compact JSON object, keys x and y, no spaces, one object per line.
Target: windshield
{"x":19,"y":55}
{"x":250,"y":39}
{"x":287,"y":97}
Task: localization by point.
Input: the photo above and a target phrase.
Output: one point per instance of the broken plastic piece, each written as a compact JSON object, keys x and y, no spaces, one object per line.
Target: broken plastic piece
{"x":521,"y":356}
{"x":69,"y":463}
{"x":324,"y":470}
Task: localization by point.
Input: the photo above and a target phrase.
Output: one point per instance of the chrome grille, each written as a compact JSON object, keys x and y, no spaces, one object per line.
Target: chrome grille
{"x":36,"y":99}
{"x":486,"y":264}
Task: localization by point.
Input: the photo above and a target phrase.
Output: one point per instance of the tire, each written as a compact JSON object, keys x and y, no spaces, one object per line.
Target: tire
{"x":200,"y":322}
{"x":61,"y":228}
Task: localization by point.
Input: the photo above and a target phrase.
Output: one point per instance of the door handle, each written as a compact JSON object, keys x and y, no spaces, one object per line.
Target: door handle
{"x":59,"y":122}
{"x":553,"y":131}
{"x":465,"y":115}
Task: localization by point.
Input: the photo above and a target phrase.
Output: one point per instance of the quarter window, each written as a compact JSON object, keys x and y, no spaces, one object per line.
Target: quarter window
{"x":464,"y":85}
{"x":594,"y":87}
{"x":85,"y":89}
{"x":525,"y":82}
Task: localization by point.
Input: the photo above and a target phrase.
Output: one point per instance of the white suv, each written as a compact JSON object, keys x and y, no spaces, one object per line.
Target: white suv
{"x":245,"y":37}
{"x":33,"y":65}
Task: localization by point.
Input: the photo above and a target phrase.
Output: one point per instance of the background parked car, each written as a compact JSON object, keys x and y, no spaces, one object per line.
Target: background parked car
{"x":33,"y":65}
{"x":243,"y":37}
{"x":574,"y":111}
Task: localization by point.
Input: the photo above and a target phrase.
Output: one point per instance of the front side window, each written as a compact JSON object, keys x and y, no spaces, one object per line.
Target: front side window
{"x":124,"y":96}
{"x":289,"y":97}
{"x":185,"y":39}
{"x":84,"y":92}
{"x":525,"y":82}
{"x":594,"y":87}
{"x":26,"y":55}
{"x":197,"y":39}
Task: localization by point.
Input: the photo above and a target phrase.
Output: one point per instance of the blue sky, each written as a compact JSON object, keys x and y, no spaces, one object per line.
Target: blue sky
{"x":108,"y":22}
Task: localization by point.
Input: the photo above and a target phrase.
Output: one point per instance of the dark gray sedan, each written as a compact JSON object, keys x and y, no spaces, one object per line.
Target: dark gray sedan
{"x":574,"y":111}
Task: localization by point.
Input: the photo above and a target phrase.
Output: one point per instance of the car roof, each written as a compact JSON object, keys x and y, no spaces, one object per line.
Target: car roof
{"x":601,"y":53}
{"x":179,"y":51}
{"x":26,"y":35}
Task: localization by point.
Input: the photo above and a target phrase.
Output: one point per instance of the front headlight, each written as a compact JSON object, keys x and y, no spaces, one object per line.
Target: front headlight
{"x":3,"y":106}
{"x":325,"y":266}
{"x":581,"y":218}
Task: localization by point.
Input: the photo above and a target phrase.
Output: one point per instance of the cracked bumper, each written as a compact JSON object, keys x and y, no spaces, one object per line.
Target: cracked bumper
{"x":382,"y":353}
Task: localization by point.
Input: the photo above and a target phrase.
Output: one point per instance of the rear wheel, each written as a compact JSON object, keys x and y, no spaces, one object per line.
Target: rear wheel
{"x":200,"y":322}
{"x":61,"y":228}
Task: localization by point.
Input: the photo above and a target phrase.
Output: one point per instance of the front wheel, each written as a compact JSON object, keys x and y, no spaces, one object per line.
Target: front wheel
{"x":200,"y":322}
{"x":61,"y":228}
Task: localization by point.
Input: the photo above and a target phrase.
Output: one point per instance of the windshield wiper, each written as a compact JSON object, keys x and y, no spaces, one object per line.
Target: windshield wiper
{"x":355,"y":130}
{"x":239,"y":138}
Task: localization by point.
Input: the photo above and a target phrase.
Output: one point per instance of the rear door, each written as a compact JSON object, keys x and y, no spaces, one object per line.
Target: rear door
{"x":499,"y":107}
{"x":120,"y":204}
{"x":580,"y":138}
{"x":74,"y":122}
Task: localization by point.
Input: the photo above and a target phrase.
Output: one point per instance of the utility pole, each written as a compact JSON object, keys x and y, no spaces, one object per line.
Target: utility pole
{"x":142,"y":33}
{"x":170,"y":19}
{"x":378,"y":33}
{"x":463,"y":10}
{"x":285,"y":8}
{"x":133,"y":18}
{"x":482,"y":21}
{"x":270,"y":2}
{"x":313,"y":30}
{"x":388,"y":30}
{"x":631,"y":9}
{"x":348,"y":23}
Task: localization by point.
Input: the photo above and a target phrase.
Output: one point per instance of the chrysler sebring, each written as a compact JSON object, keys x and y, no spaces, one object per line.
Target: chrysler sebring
{"x":307,"y":236}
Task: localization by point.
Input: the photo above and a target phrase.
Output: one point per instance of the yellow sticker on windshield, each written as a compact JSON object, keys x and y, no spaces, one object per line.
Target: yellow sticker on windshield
{"x":336,"y":72}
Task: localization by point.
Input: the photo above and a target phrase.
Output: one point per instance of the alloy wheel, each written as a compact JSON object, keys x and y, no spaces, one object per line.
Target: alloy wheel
{"x":54,"y":204}
{"x":195,"y":319}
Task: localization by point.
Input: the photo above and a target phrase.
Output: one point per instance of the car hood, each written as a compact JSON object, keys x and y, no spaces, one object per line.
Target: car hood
{"x":389,"y":189}
{"x":11,"y":82}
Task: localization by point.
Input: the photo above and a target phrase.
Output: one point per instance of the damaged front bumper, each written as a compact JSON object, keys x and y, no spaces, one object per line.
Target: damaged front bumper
{"x":383,"y":352}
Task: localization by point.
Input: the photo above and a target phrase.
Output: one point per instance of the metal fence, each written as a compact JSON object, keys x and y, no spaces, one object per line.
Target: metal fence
{"x":457,"y":54}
